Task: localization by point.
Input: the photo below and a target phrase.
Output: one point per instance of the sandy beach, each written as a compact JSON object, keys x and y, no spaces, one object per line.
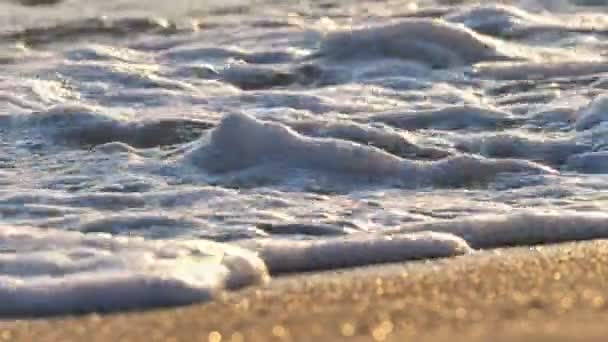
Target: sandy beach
{"x":553,"y":293}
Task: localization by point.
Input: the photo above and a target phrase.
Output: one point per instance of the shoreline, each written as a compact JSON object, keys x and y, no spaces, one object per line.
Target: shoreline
{"x":556,"y":292}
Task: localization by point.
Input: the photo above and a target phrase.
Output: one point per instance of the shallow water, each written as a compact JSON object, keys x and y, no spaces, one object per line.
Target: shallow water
{"x":155,"y":154}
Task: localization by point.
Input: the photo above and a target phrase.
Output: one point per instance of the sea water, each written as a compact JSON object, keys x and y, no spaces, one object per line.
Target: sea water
{"x":158,"y":153}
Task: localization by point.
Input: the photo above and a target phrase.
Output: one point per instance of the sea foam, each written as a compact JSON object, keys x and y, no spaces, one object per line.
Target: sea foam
{"x":44,"y":272}
{"x":521,"y":229}
{"x":286,"y":256}
{"x":241,"y":143}
{"x":435,"y":42}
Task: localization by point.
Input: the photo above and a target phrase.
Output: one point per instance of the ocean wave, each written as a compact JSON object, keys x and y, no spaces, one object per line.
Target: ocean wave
{"x":122,"y":75}
{"x":271,"y":150}
{"x":297,"y":136}
{"x":497,"y":20}
{"x":89,"y":27}
{"x":85,"y":126}
{"x":98,"y":201}
{"x":305,"y":229}
{"x":450,"y":117}
{"x":384,"y":138}
{"x":540,"y":70}
{"x":511,"y":22}
{"x":434,"y":42}
{"x":208,"y":54}
{"x":547,"y":151}
{"x":156,"y":226}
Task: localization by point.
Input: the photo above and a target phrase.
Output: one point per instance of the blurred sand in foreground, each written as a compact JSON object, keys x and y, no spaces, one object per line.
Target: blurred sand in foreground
{"x":551,"y":293}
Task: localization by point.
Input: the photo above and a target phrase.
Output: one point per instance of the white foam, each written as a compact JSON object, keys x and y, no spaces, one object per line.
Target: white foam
{"x":10,"y":102}
{"x":541,"y":70}
{"x":284,"y":256}
{"x":550,"y":151}
{"x":513,"y":22}
{"x":522,"y":229}
{"x":435,"y":42}
{"x":383,"y":137}
{"x":495,"y":19}
{"x":241,"y":143}
{"x":56,"y":272}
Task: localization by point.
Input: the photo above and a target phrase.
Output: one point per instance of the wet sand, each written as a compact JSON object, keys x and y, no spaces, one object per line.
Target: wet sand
{"x":553,"y":293}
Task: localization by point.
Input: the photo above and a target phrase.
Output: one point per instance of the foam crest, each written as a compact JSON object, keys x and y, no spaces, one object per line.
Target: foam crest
{"x":286,"y":256}
{"x":496,"y":20}
{"x":548,"y":151}
{"x":45,"y":272}
{"x":242,"y":143}
{"x":522,"y":229}
{"x":435,"y":42}
{"x":472,"y":171}
{"x":383,"y":137}
{"x":10,"y":102}
{"x":513,"y":22}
